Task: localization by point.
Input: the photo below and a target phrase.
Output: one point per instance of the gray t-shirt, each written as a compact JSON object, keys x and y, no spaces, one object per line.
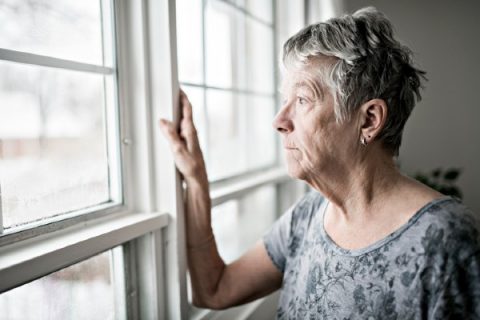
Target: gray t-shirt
{"x":427,"y":269}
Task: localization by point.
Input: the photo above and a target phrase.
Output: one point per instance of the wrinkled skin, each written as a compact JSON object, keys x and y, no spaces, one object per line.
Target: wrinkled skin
{"x":315,"y":143}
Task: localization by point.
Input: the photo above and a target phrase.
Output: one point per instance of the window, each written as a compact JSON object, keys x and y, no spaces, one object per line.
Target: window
{"x":231,"y":81}
{"x":58,"y":128}
{"x":86,"y":290}
{"x":90,"y":208}
{"x":227,"y":61}
{"x":74,"y":221}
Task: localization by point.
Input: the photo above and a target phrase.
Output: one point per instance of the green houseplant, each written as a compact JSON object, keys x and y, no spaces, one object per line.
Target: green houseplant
{"x":442,"y":180}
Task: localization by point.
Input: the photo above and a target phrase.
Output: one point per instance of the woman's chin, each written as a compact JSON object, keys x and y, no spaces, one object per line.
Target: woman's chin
{"x":295,"y":172}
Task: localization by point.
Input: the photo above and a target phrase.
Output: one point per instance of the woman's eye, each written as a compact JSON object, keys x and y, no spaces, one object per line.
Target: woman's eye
{"x":301,"y":100}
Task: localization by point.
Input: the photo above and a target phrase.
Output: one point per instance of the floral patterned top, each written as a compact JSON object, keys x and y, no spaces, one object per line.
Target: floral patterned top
{"x":427,"y":269}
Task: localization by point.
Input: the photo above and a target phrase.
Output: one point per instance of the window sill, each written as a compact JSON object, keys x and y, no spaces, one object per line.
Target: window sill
{"x":60,"y":249}
{"x":233,"y":188}
{"x":242,"y":312}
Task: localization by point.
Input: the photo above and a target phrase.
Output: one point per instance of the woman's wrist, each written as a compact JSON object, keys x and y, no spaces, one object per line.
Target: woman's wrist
{"x":200,"y":181}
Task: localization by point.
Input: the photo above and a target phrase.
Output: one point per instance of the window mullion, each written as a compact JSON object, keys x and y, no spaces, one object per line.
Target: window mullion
{"x":204,"y":83}
{"x":118,"y":277}
{"x":1,"y":206}
{"x":46,"y":61}
{"x":163,"y":100}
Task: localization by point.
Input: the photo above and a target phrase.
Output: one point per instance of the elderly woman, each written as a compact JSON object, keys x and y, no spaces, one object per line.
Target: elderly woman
{"x":369,"y":242}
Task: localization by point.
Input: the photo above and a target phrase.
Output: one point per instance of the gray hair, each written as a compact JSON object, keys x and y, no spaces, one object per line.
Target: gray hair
{"x":367,"y":63}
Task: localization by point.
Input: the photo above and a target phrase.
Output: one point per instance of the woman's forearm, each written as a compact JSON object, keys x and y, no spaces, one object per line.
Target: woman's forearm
{"x":204,"y":262}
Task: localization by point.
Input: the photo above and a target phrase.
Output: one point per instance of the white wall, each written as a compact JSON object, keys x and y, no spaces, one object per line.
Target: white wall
{"x":443,"y":130}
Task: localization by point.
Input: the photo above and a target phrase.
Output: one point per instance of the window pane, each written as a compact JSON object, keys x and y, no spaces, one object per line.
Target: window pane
{"x":218,"y":19}
{"x":53,"y":155}
{"x":189,"y":40}
{"x":260,"y":146}
{"x":239,"y":224}
{"x":67,"y":29}
{"x":225,"y":135}
{"x":82,"y":291}
{"x":236,"y":44}
{"x":240,"y":135}
{"x":260,"y":57}
{"x":261,"y":9}
{"x":240,"y":58}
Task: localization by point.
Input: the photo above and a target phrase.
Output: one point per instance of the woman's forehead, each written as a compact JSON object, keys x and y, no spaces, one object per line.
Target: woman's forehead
{"x":307,"y":79}
{"x":294,"y":79}
{"x":311,"y":72}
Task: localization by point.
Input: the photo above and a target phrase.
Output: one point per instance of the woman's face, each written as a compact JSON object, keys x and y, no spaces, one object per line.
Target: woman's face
{"x":314,"y":143}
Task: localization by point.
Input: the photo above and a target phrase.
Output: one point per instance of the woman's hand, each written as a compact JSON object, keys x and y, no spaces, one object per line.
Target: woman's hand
{"x":184,"y":145}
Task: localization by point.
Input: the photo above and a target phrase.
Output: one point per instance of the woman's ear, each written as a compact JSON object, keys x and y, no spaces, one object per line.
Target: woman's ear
{"x":373,"y":115}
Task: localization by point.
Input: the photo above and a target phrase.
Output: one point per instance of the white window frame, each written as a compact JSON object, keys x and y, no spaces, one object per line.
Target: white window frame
{"x":150,"y":221}
{"x":61,"y":221}
{"x":145,"y":220}
{"x":237,"y":186}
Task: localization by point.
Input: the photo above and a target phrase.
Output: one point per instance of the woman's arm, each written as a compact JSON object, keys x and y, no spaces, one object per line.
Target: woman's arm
{"x":215,"y":285}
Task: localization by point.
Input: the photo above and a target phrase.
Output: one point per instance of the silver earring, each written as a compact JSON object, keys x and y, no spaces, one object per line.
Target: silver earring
{"x":363,"y":141}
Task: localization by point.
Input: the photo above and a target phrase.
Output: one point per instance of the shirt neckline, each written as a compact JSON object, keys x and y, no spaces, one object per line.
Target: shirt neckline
{"x":357,"y":252}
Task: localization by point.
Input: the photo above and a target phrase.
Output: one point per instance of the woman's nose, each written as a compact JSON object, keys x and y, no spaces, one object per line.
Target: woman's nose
{"x":282,"y":122}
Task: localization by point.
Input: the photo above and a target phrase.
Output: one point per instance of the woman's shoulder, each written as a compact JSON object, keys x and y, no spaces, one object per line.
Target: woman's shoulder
{"x":450,"y":225}
{"x":453,"y":214}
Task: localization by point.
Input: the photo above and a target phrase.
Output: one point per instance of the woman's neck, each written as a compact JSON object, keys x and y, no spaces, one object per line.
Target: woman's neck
{"x":361,"y":187}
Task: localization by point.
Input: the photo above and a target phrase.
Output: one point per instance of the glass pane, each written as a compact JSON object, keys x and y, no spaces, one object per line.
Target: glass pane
{"x":81,"y":291}
{"x":261,"y":9}
{"x":225,"y":139}
{"x":219,"y":44}
{"x":260,"y":133}
{"x":189,"y":41}
{"x":240,"y":133}
{"x":53,"y":156}
{"x":260,"y":57}
{"x":239,"y":224}
{"x":67,"y":29}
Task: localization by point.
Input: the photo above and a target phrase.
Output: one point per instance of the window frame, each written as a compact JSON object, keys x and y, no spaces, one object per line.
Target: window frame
{"x":64,"y":220}
{"x":149,"y":223}
{"x":34,"y":252}
{"x":234,"y":89}
{"x":234,"y":187}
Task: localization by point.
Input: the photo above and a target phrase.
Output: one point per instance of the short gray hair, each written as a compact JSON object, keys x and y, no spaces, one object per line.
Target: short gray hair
{"x":368,"y":63}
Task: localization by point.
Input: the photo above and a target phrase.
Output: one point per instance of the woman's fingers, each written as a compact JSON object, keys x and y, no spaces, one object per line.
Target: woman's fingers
{"x":188,"y":130}
{"x":187,"y":108}
{"x":176,"y":143}
{"x":184,"y":144}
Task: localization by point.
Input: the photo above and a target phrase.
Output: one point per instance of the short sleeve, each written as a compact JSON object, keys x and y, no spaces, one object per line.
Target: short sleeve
{"x":276,"y":240}
{"x":460,"y":296}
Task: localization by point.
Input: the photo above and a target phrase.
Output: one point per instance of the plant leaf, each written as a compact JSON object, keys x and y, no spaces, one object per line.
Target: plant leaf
{"x":436,"y":173}
{"x":422,"y":178}
{"x":451,"y":174}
